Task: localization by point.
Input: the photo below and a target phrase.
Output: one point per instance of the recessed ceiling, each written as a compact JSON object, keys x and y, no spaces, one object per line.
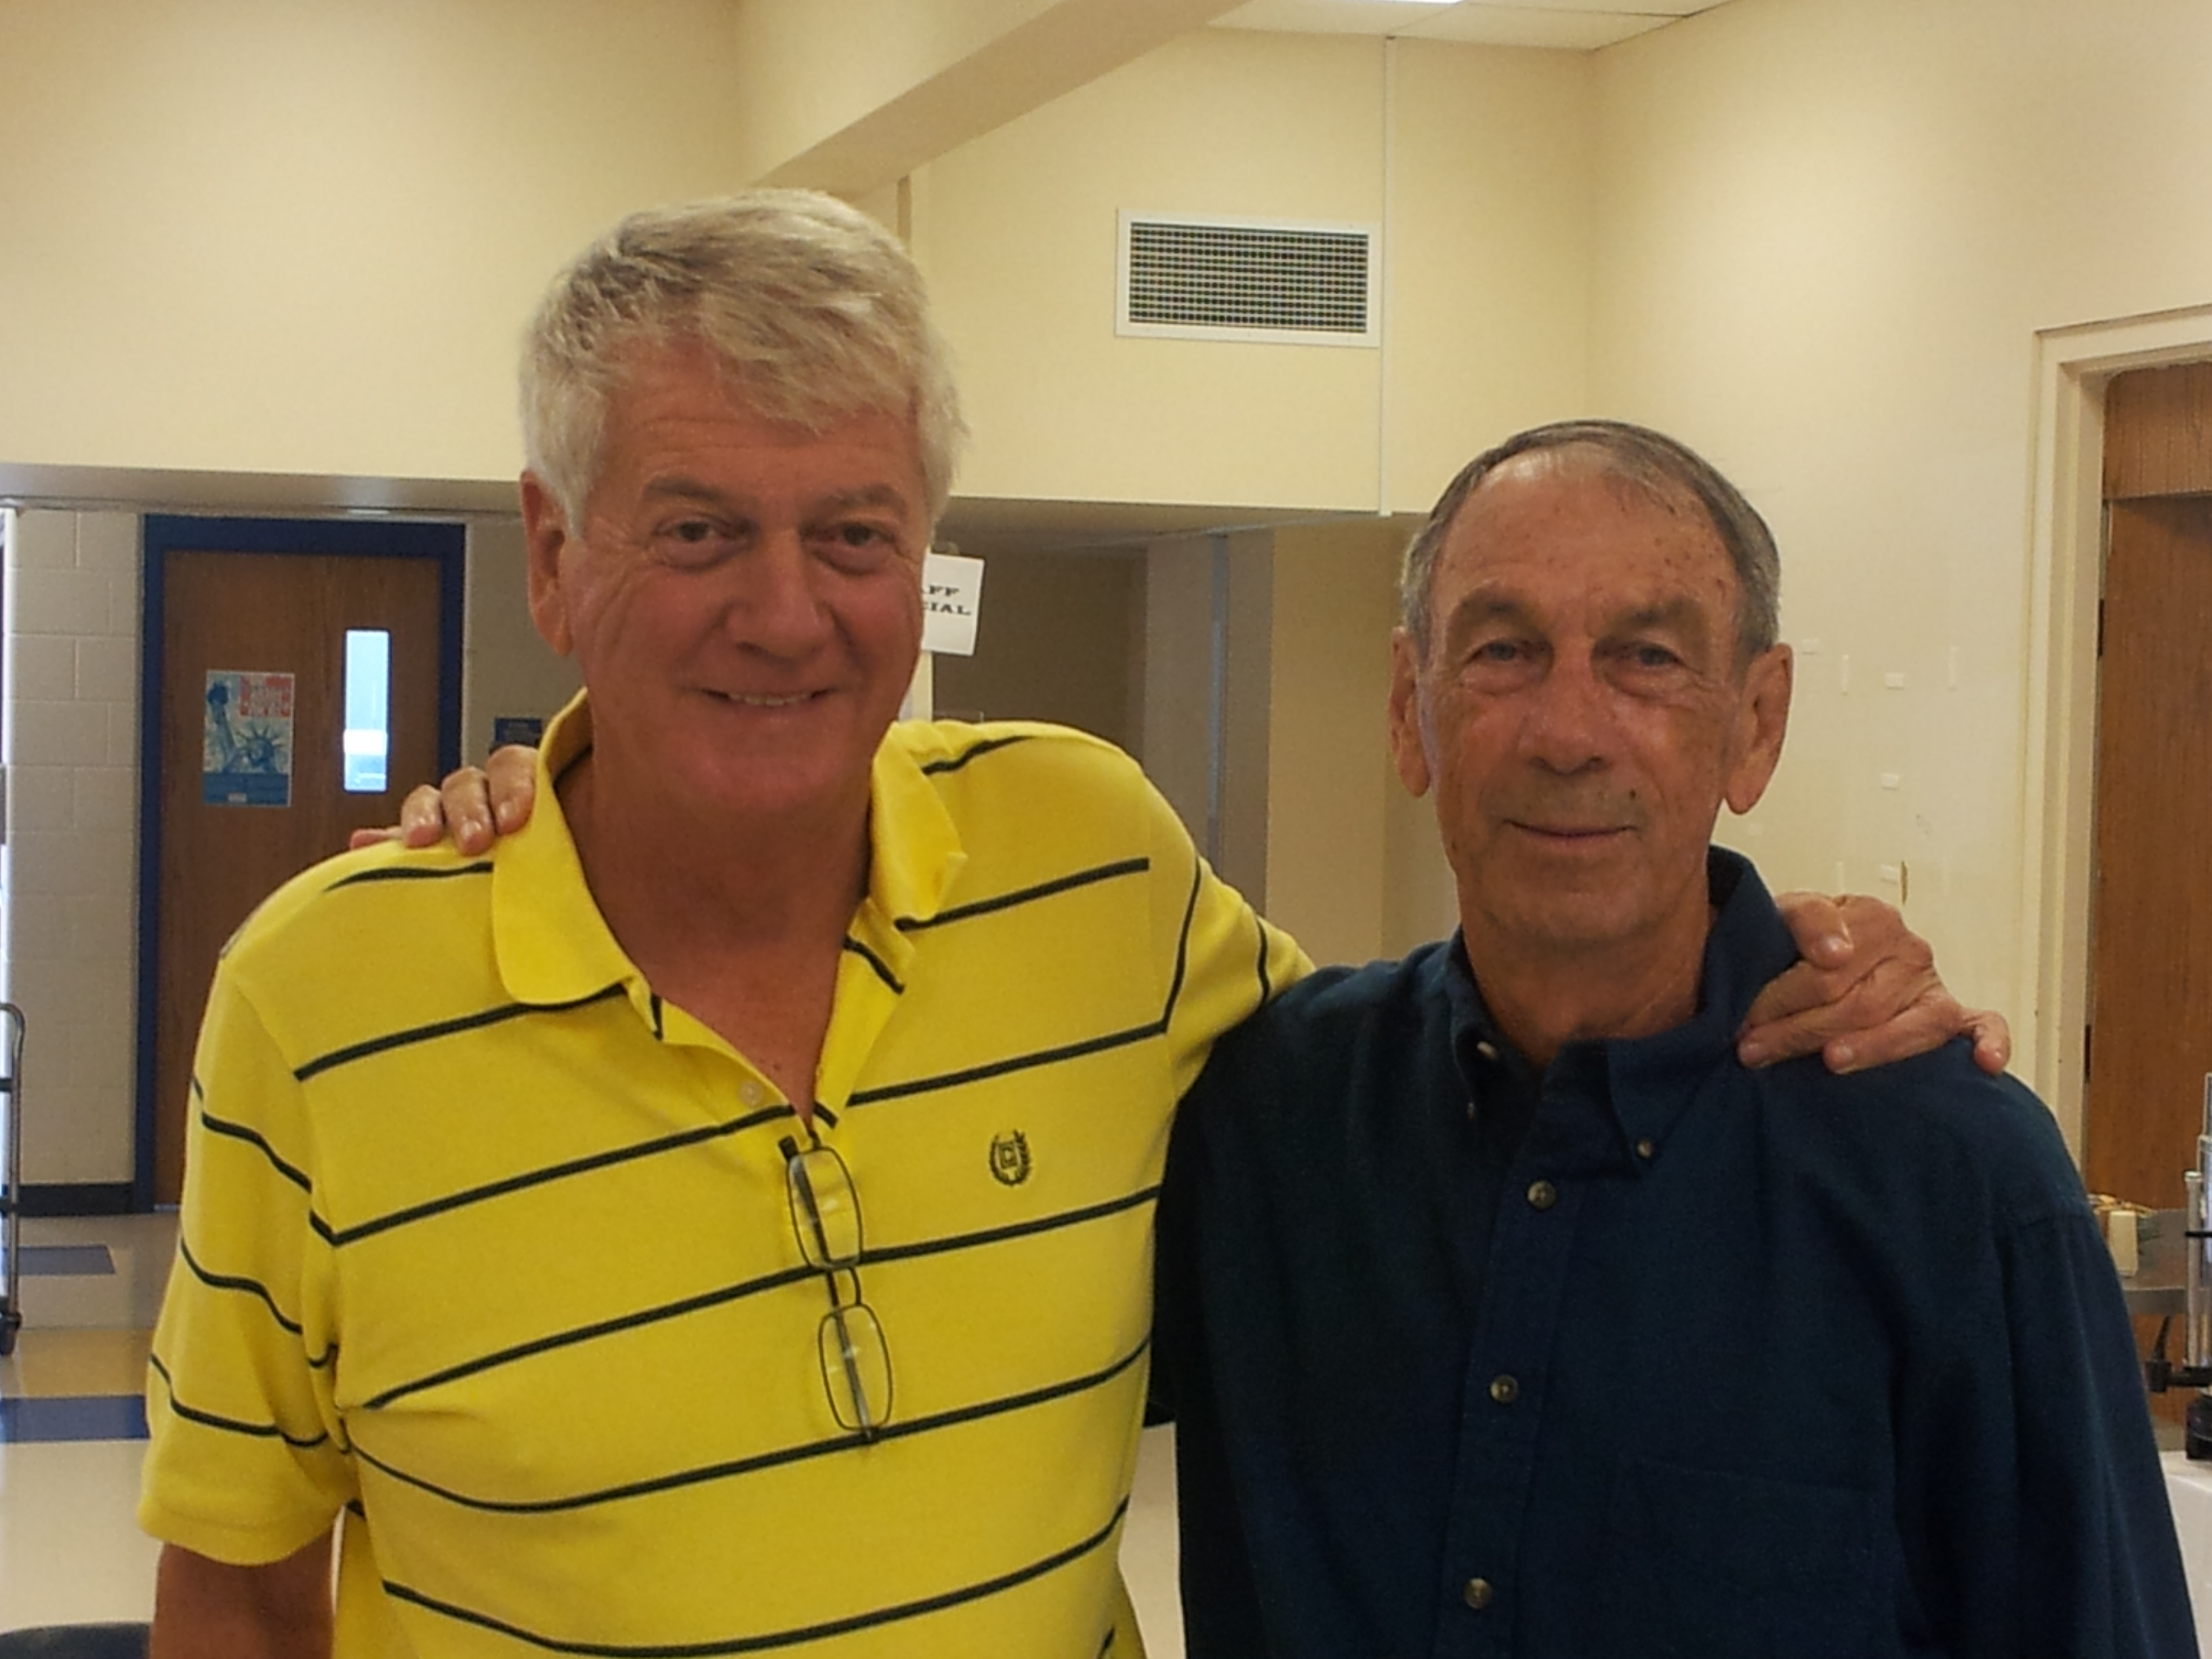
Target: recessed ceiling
{"x":1569,"y":24}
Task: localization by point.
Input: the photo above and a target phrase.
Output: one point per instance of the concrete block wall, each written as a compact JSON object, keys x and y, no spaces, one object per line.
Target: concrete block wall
{"x":71,"y":742}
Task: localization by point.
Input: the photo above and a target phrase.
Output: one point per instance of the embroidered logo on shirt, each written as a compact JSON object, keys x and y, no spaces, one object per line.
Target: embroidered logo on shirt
{"x":1009,"y":1159}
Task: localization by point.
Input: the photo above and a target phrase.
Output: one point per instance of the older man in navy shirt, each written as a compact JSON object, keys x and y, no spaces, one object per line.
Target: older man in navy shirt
{"x":1503,"y":1313}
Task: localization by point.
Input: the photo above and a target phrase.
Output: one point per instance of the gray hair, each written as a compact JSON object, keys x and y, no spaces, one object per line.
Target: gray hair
{"x":1649,"y":460}
{"x":814,"y":310}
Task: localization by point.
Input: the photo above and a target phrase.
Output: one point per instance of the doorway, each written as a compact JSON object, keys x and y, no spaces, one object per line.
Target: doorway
{"x":298,"y":677}
{"x":2149,"y":1047}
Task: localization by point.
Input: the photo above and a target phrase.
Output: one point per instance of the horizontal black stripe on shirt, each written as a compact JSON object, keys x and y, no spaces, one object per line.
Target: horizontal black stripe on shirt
{"x":1024,"y":894}
{"x":985,"y":1235}
{"x":1266,"y":988}
{"x":593,"y":1162}
{"x":883,"y":969}
{"x":736,"y":1467}
{"x":723,"y":1295}
{"x":939,"y":768}
{"x":1066,"y":1051}
{"x":229,"y":1425}
{"x":820,"y":1632}
{"x":444,"y":1028}
{"x":251,"y":1136}
{"x":719,"y":1297}
{"x":409,"y":872}
{"x":922,"y":1085}
{"x":253,"y":1287}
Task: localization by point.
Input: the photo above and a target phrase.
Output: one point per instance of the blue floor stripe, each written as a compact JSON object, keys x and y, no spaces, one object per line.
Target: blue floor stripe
{"x":73,"y":1417}
{"x":57,"y":1261}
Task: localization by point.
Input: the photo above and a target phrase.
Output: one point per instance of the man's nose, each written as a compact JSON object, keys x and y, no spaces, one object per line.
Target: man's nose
{"x":1568,"y":724}
{"x":778,"y":605}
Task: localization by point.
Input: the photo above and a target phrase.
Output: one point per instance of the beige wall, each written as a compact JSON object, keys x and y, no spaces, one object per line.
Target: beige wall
{"x":300,"y":236}
{"x":507,"y":669}
{"x":1053,"y":643}
{"x":1208,"y":609}
{"x":1328,"y":763}
{"x":1488,"y":230}
{"x":1828,"y":231}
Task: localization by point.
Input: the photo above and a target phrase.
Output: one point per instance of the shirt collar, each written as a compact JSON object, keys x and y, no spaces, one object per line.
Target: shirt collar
{"x":1646,"y":1082}
{"x":554,"y":946}
{"x":915,"y":851}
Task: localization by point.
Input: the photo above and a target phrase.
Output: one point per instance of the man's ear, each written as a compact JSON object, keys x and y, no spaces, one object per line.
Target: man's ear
{"x":545,"y":534}
{"x":1410,"y":754}
{"x":1762,"y":719}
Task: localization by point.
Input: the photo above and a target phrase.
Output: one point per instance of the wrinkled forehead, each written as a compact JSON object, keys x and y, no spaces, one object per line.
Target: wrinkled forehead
{"x":1587,"y":493}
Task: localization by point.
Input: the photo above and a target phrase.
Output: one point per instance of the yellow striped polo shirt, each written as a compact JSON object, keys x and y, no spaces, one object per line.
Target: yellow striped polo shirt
{"x":488,"y":1246}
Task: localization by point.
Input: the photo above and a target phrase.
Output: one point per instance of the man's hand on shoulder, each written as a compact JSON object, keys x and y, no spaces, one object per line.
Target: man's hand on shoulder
{"x":474,"y":807}
{"x":1866,"y":993}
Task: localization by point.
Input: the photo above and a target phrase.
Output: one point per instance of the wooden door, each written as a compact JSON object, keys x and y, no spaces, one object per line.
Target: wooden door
{"x":251,"y":779}
{"x":2151,"y":964}
{"x":2150,"y":994}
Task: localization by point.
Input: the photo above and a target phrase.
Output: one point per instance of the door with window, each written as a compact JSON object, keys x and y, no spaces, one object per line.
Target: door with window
{"x":301,"y":678}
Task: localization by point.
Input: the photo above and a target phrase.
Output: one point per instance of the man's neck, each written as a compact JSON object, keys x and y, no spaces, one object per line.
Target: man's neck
{"x":1543,"y":1000}
{"x":673,"y":888}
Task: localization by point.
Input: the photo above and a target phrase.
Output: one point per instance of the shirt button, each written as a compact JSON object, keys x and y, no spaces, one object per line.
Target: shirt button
{"x":750,"y":1094}
{"x":1646,"y":1146}
{"x":1542,"y":1194}
{"x":1487,"y":1050}
{"x":1504,"y":1389}
{"x":1478,"y":1593}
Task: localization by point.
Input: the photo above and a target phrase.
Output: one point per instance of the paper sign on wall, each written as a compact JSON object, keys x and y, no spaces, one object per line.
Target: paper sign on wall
{"x":245,"y":744}
{"x":951,"y":600}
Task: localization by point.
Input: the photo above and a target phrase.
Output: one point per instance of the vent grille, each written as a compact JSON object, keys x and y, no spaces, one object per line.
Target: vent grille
{"x":1214,"y":279}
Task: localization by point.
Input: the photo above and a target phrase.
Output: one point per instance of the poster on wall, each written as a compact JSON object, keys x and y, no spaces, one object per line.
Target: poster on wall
{"x":245,"y":747}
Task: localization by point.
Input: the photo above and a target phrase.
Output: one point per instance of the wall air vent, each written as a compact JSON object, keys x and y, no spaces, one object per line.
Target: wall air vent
{"x":1247,"y":279}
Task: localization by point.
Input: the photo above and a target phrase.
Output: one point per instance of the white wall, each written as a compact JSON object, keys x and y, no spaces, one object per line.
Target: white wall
{"x":1827,"y":231}
{"x":71,"y":676}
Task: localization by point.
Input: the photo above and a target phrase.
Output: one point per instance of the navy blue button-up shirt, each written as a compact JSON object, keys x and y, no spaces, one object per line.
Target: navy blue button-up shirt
{"x":1647,"y":1354}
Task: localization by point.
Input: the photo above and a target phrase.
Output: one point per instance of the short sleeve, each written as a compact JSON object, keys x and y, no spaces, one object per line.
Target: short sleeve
{"x":247,"y":1463}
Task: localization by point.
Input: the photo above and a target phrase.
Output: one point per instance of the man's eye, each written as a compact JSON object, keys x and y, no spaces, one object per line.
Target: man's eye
{"x":693,"y":541}
{"x":1653,"y":656}
{"x":1495,"y":651}
{"x":857,"y":544}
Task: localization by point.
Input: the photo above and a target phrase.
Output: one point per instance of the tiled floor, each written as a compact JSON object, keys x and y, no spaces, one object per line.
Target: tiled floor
{"x":71,"y":1429}
{"x":71,"y":1424}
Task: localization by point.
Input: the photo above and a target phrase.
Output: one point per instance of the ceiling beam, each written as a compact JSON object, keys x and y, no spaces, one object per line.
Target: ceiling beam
{"x":826,"y":114}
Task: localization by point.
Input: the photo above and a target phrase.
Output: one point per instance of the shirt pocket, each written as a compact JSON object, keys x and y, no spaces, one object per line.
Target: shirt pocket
{"x":1734,"y":1566}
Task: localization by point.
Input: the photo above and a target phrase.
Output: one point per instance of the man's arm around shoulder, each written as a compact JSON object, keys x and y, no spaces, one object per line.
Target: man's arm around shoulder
{"x":208,"y":1609}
